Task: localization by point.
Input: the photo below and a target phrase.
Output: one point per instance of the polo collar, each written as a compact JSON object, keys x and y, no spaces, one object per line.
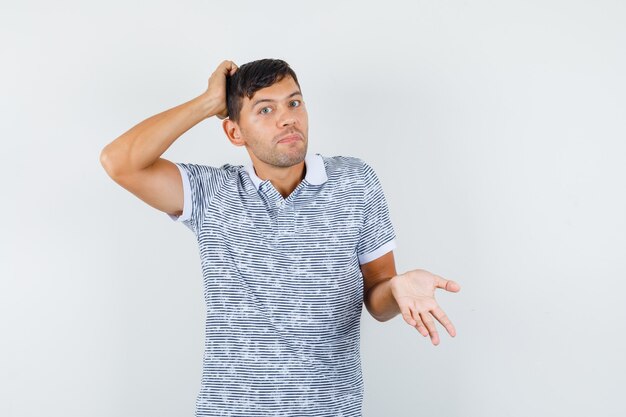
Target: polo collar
{"x":315,"y":170}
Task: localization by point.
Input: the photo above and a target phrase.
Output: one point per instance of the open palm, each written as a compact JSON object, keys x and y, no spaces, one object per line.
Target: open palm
{"x":414,"y":291}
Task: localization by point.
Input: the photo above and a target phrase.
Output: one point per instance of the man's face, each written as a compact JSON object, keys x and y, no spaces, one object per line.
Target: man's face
{"x":273,"y":113}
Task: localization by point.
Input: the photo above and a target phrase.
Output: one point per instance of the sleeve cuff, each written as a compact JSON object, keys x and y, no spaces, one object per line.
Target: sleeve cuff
{"x":186,"y":215}
{"x":368,"y":257}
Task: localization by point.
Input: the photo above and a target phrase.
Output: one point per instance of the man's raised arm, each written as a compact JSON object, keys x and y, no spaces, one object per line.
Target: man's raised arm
{"x":134,"y":161}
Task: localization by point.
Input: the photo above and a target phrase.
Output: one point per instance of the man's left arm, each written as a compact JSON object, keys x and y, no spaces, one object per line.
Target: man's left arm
{"x":377,"y":296}
{"x":385,"y":293}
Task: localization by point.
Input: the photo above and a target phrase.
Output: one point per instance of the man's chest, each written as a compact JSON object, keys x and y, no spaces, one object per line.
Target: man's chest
{"x":322,"y":225}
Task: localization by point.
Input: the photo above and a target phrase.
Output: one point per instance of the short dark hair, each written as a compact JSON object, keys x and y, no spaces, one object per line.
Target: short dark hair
{"x":251,"y":77}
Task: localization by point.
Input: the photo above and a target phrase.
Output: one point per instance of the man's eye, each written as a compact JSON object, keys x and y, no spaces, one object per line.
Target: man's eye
{"x":262,"y":111}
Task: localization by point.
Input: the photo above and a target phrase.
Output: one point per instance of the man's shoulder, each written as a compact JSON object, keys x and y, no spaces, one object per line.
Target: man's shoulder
{"x":343,"y":163}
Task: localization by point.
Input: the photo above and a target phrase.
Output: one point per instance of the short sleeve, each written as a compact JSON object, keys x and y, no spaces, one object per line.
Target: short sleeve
{"x":200,"y":184}
{"x":377,"y":236}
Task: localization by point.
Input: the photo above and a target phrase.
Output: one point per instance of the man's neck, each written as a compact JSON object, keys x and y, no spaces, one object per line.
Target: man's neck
{"x":284,"y":180}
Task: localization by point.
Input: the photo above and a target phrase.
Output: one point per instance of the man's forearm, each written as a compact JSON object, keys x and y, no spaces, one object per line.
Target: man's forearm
{"x":143,"y":144}
{"x":381,"y":303}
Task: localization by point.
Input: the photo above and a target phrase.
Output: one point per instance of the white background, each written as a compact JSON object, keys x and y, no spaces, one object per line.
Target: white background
{"x":497,"y":129}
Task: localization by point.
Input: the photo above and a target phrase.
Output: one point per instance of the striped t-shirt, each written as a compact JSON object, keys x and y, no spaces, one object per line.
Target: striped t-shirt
{"x":283,"y":286}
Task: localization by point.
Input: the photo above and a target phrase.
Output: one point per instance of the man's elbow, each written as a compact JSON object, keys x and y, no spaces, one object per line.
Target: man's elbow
{"x":110,"y":162}
{"x":106,"y":162}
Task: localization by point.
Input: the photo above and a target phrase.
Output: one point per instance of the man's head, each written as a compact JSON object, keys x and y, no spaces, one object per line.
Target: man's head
{"x":265,"y":104}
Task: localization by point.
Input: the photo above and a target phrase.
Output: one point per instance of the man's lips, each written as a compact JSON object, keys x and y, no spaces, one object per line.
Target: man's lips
{"x":290,"y":138}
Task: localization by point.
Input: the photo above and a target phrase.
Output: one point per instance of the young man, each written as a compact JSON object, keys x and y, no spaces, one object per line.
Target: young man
{"x":291,"y":244}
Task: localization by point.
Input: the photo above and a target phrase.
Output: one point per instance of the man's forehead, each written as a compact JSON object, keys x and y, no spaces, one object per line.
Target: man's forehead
{"x":282,"y":89}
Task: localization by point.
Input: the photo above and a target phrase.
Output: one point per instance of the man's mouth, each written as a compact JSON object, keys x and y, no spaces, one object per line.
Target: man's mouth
{"x":290,"y":138}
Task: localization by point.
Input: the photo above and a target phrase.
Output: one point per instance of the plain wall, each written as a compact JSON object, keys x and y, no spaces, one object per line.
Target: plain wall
{"x":496,"y":128}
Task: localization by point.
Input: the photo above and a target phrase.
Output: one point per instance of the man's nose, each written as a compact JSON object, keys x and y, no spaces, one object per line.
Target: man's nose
{"x":286,"y":118}
{"x":288,"y":121}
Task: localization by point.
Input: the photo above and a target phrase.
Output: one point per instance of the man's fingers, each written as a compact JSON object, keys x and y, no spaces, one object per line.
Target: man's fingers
{"x":430,"y":325}
{"x":406,"y":315}
{"x":446,"y":284}
{"x":229,"y":67}
{"x":444,"y":320}
{"x":420,"y":325}
{"x":414,"y":320}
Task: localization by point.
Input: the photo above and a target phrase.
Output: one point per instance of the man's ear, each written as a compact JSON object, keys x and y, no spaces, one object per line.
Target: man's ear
{"x":233,"y":132}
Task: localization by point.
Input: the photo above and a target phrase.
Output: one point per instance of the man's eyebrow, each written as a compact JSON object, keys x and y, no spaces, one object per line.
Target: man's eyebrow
{"x":261,"y":100}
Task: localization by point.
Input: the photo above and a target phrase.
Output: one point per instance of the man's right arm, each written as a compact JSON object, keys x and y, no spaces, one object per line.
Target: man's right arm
{"x":134,"y":161}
